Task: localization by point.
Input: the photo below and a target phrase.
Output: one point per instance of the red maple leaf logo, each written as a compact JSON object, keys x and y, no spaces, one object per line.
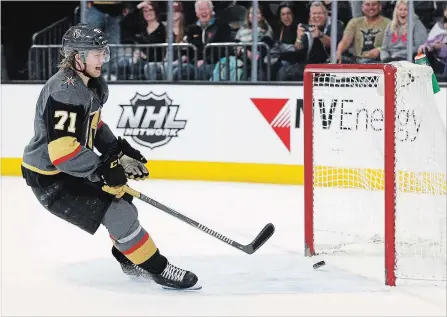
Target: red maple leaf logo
{"x":277,"y":114}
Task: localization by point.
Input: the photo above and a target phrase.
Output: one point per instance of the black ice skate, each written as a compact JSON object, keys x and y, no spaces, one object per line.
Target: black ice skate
{"x":129,"y":268}
{"x":175,"y":278}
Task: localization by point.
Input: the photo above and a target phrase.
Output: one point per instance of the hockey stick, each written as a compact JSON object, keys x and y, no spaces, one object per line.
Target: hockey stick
{"x":250,"y":248}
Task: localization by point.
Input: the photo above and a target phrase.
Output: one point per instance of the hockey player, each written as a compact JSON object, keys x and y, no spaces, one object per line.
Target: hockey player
{"x":74,"y":183}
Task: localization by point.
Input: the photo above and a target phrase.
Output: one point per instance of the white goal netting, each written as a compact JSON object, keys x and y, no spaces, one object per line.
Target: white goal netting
{"x":348,"y":168}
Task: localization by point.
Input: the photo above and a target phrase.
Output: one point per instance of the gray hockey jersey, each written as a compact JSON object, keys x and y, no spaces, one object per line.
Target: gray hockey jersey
{"x":67,"y":127}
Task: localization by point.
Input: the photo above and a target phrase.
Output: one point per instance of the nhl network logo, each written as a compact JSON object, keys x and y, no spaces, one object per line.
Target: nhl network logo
{"x":278,"y":115}
{"x":151,"y":120}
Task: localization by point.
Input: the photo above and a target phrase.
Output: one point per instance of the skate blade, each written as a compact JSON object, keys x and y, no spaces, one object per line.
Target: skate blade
{"x":192,"y":288}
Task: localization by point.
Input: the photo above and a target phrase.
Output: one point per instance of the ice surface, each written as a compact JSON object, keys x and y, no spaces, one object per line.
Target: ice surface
{"x":51,"y":268}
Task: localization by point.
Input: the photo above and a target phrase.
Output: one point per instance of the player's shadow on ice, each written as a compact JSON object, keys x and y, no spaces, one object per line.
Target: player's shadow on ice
{"x":228,"y":275}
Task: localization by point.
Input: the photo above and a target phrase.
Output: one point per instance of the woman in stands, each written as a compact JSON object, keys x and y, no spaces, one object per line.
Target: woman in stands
{"x":157,"y":70}
{"x":245,"y":35}
{"x":283,"y":51}
{"x":395,"y":40}
{"x":151,"y":31}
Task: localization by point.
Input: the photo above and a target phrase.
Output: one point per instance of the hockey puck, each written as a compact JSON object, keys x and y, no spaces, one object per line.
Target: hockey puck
{"x":319,"y":264}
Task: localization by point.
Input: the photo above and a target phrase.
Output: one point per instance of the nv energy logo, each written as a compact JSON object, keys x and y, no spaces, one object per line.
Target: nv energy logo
{"x":341,"y":115}
{"x":277,"y":113}
{"x":151,"y":120}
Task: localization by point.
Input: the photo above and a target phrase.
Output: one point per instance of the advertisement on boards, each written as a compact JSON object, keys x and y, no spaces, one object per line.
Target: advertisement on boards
{"x":214,"y":124}
{"x":150,"y":120}
{"x":277,"y":113}
{"x":240,"y":124}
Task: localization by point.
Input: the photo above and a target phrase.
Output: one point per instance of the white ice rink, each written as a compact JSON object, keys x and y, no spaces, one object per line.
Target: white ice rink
{"x":51,"y":268}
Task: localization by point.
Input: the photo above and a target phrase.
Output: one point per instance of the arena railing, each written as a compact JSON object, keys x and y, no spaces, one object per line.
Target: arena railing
{"x":53,"y":33}
{"x":127,"y":61}
{"x":149,"y":62}
{"x":44,"y":59}
{"x":232,"y":60}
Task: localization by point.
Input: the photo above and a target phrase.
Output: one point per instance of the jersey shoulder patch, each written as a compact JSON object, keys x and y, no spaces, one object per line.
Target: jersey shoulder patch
{"x":67,"y":87}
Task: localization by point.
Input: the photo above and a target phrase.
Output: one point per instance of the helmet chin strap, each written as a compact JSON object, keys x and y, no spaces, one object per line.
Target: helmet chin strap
{"x":83,"y":70}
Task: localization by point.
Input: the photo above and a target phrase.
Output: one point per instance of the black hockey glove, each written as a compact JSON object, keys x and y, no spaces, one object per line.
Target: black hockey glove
{"x":132,"y":161}
{"x":114,"y":176}
{"x":128,"y":150}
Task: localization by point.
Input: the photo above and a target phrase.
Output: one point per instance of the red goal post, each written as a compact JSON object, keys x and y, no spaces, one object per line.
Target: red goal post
{"x":388,"y":84}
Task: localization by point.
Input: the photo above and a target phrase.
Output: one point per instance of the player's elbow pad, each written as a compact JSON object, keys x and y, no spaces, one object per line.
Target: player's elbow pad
{"x":63,"y":149}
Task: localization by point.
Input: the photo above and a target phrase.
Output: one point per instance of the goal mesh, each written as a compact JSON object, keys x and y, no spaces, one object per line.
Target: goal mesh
{"x":349,"y":154}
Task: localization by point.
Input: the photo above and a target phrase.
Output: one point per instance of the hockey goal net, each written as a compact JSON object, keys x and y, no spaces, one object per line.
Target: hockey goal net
{"x":375,"y":167}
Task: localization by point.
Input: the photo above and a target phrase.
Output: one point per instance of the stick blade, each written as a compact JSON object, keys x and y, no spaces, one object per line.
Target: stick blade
{"x":262,"y":238}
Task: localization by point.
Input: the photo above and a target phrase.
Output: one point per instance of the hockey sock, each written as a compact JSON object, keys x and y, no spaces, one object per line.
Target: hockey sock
{"x":155,"y":264}
{"x":131,"y":239}
{"x":139,"y":248}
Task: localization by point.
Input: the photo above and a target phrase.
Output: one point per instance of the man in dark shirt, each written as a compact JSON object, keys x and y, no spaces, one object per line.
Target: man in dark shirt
{"x":207,"y":29}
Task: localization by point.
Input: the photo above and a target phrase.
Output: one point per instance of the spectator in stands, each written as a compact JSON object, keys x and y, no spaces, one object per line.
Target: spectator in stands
{"x":207,"y":29}
{"x":157,"y":70}
{"x":313,"y":42}
{"x":395,"y":43}
{"x":154,"y":32}
{"x":284,"y":51}
{"x":364,"y":35}
{"x":387,"y":8}
{"x":234,"y":15}
{"x":439,"y":26}
{"x":179,"y":22}
{"x":245,"y":35}
{"x":436,"y":51}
